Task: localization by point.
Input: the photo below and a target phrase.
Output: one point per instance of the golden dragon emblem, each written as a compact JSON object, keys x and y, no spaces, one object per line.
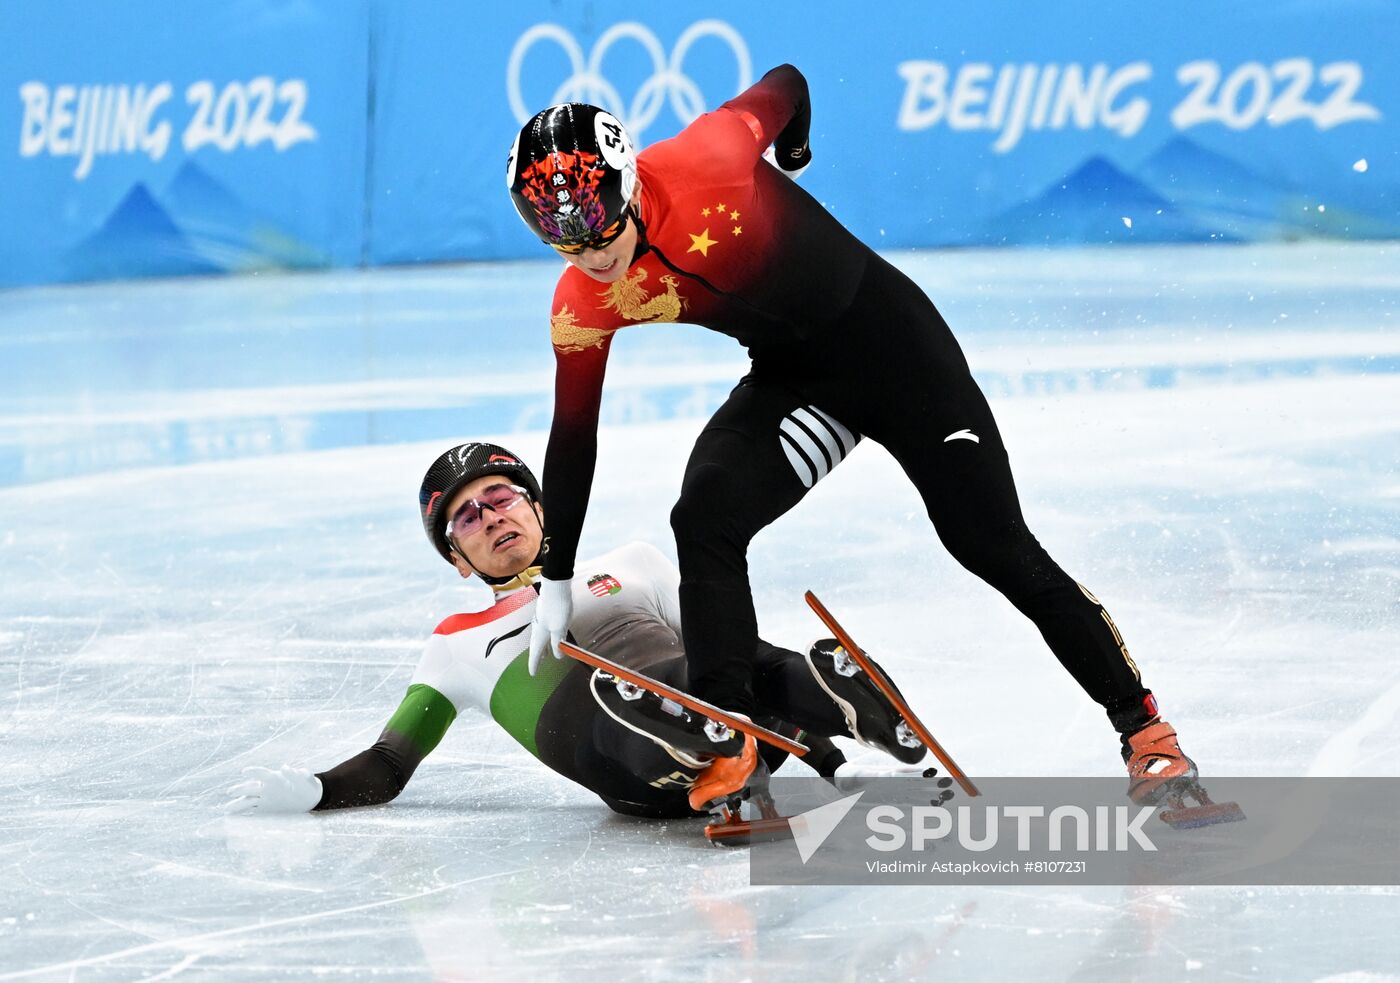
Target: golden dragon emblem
{"x":628,"y":297}
{"x":568,"y":337}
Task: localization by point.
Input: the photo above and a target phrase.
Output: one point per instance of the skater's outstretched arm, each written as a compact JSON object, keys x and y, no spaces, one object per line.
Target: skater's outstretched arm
{"x":441,"y":687}
{"x":380,"y":773}
{"x":570,"y":457}
{"x":374,"y":776}
{"x":572,"y":451}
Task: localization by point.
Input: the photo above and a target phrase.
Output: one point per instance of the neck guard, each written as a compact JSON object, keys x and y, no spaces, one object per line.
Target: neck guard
{"x":504,"y":585}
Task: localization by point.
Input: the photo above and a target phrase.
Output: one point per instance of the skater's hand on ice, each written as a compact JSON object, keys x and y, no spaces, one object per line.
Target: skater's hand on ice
{"x":553,"y":611}
{"x":288,"y":789}
{"x":771,"y":155}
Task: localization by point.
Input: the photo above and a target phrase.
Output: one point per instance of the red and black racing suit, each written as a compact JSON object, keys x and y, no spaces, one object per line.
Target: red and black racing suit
{"x":842,"y":344}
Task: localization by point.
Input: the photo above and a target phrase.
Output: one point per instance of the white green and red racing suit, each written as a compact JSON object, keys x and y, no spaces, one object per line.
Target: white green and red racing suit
{"x":626,"y":608}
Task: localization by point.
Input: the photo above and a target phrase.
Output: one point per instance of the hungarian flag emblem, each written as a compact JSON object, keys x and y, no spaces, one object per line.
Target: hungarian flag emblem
{"x":603,"y":584}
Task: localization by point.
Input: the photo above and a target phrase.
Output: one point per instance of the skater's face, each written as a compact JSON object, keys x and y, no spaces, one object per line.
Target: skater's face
{"x":504,"y":541}
{"x":609,"y":263}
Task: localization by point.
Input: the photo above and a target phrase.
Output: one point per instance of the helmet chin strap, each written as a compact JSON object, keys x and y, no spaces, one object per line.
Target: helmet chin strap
{"x":642,"y":245}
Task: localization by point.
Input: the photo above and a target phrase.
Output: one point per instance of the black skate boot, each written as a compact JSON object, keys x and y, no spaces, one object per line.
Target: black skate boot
{"x":872,"y":719}
{"x":691,"y":739}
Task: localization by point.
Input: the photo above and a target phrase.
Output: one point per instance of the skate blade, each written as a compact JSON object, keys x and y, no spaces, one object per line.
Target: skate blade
{"x":1208,"y":813}
{"x":739,"y":832}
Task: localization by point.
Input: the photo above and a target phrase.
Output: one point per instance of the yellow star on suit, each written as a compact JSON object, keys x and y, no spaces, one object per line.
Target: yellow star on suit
{"x":701,"y":243}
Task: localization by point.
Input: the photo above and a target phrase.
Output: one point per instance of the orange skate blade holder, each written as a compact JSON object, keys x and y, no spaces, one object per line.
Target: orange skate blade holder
{"x":891,"y":694}
{"x":1178,"y":815}
{"x":727,"y":829}
{"x":737,"y":832}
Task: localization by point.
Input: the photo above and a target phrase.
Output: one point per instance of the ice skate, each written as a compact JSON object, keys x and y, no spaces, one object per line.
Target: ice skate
{"x":876,"y":676}
{"x":1160,"y":773}
{"x":1155,"y":761}
{"x":726,"y":777}
{"x":723,"y":790}
{"x":722,"y":746}
{"x":692,"y":739}
{"x":872,"y":719}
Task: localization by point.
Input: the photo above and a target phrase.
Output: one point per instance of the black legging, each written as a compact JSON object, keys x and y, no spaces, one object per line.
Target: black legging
{"x":889,"y":369}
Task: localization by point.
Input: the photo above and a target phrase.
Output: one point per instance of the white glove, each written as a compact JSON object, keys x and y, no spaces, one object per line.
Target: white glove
{"x":850,"y":775}
{"x":553,"y":611}
{"x":288,"y":789}
{"x":771,"y":156}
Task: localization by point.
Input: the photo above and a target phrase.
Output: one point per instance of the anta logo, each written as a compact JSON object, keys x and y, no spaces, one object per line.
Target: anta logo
{"x":603,"y":585}
{"x":432,"y":501}
{"x":502,"y":457}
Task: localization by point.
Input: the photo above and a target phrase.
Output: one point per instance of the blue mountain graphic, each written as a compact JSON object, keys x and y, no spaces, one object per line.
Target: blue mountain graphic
{"x":194,"y":194}
{"x":1214,"y":190}
{"x":1189,"y":174}
{"x":1088,"y":205}
{"x":137,"y":239}
{"x":226,"y":229}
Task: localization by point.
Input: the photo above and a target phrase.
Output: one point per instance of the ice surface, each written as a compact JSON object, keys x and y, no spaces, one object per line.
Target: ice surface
{"x":211,"y":559}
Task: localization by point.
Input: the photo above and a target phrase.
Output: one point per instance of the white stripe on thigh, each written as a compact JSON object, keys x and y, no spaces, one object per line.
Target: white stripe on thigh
{"x":803,"y":441}
{"x":798,"y":460}
{"x":814,"y":442}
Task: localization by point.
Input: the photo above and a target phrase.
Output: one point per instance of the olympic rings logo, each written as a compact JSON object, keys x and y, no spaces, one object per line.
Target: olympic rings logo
{"x":586,"y":82}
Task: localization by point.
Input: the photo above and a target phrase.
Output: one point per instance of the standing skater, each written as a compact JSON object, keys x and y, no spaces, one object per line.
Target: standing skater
{"x":699,"y":228}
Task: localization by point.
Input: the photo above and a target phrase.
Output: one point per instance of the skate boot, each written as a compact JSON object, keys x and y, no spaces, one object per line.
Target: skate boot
{"x":691,"y":739}
{"x":872,"y":719}
{"x":722,"y":790}
{"x":1155,"y":762}
{"x":1159,"y":772}
{"x":721,"y":786}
